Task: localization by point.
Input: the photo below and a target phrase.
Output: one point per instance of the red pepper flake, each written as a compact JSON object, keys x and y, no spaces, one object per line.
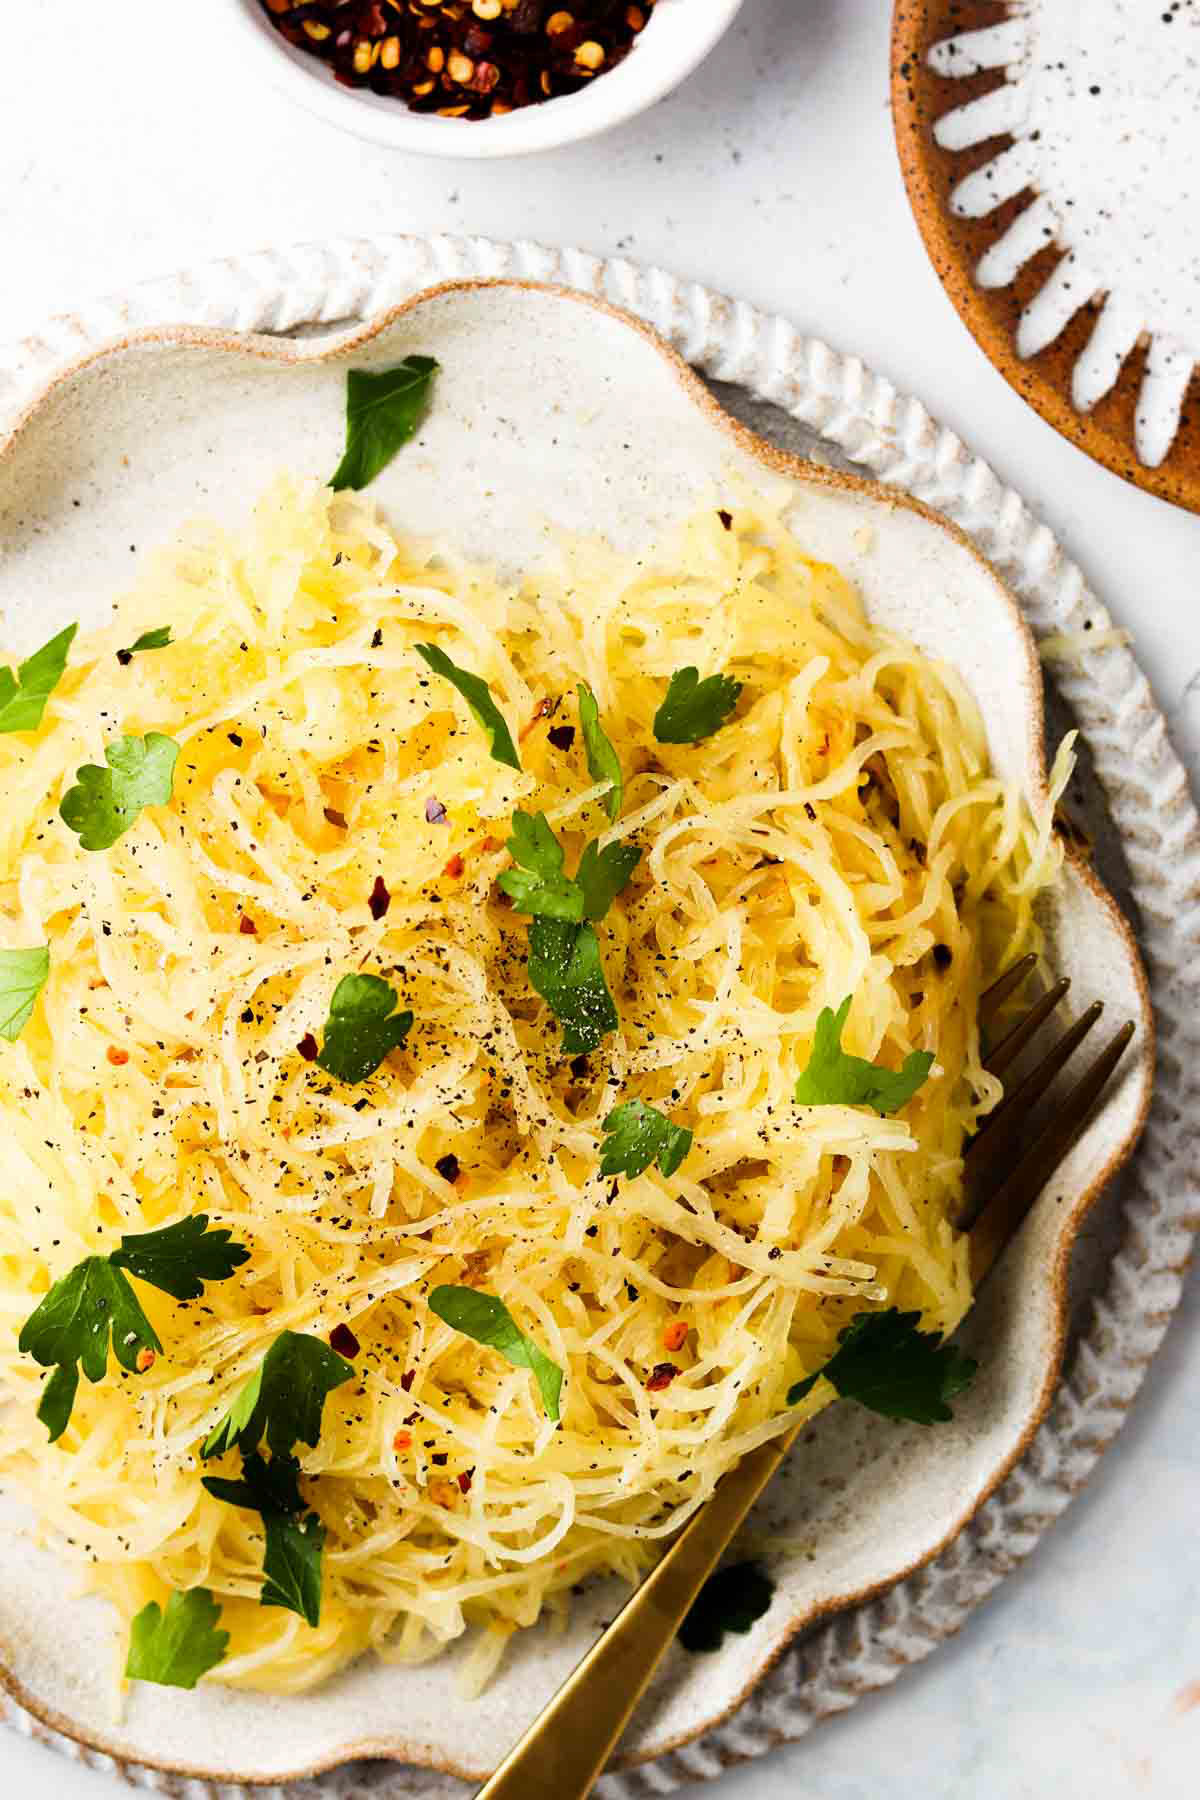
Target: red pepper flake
{"x":380,"y":899}
{"x":334,"y":817}
{"x":454,"y":867}
{"x":402,"y":1441}
{"x":407,"y":1379}
{"x":435,"y":812}
{"x":489,"y":845}
{"x":478,"y":65}
{"x":464,"y":1481}
{"x":462,"y":1181}
{"x":561,"y":736}
{"x":661,"y":1376}
{"x":117,"y":1057}
{"x":343,"y":1340}
{"x":726,"y":518}
{"x":545,"y":709}
{"x":145,"y":1360}
{"x":247,"y":927}
{"x":675,"y":1335}
{"x":309,"y":1047}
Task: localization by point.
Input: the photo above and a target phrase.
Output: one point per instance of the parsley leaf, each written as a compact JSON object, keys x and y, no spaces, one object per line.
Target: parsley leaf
{"x":694,"y":709}
{"x":72,"y":1323}
{"x":23,"y":975}
{"x":637,"y":1135}
{"x":478,"y":696}
{"x":176,"y":1647}
{"x":834,"y":1079}
{"x":603,"y":874}
{"x":602,"y":760}
{"x":284,"y":1398}
{"x":23,"y":696}
{"x":265,"y":1486}
{"x":106,"y":802}
{"x":158,"y":639}
{"x":731,"y":1600}
{"x":565,"y":969}
{"x":362,"y":1028}
{"x":58,"y":1399}
{"x":382,"y":412}
{"x":295,"y":1537}
{"x":180,"y":1258}
{"x":538,"y":885}
{"x":292,"y":1565}
{"x":75,"y":1320}
{"x":488,"y":1321}
{"x":887,"y":1363}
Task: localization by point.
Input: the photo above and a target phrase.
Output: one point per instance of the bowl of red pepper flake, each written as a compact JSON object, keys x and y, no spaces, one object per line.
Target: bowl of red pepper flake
{"x":478,"y":78}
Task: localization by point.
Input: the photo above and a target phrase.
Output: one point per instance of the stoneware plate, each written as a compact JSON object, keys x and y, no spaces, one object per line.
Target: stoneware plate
{"x":550,"y":409}
{"x":1049,"y":152}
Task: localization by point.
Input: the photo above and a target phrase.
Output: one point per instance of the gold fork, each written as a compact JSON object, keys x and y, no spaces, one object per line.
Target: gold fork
{"x":564,"y":1751}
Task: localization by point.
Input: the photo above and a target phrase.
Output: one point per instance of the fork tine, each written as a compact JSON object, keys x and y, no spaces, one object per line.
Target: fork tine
{"x":1004,"y":1211}
{"x":1011,"y":1046}
{"x":1006,"y":984}
{"x":1000,"y":1130}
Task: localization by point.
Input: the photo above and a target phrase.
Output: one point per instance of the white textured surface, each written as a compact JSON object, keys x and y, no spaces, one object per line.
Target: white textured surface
{"x":1102,"y":102}
{"x":1068,"y":1675}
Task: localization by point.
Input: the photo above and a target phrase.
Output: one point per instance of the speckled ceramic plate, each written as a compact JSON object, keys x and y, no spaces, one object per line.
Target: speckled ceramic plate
{"x":1049,"y":152}
{"x":165,"y":426}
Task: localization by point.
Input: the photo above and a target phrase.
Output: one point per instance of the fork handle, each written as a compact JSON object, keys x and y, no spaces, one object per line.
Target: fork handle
{"x":565,"y":1749}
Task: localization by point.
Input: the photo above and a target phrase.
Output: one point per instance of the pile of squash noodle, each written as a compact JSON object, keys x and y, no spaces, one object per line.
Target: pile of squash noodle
{"x":841,"y":835}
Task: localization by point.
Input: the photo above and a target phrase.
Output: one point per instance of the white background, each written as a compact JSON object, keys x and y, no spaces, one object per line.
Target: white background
{"x":130,"y":148}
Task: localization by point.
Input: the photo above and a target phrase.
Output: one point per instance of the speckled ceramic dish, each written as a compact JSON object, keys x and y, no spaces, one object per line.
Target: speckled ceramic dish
{"x":550,"y":408}
{"x":1049,"y":152}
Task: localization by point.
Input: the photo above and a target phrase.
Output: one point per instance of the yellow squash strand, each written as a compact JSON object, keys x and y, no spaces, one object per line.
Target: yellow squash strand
{"x":841,"y":836}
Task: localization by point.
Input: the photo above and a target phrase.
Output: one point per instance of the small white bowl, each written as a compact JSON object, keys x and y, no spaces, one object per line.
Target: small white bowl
{"x":677,"y":38}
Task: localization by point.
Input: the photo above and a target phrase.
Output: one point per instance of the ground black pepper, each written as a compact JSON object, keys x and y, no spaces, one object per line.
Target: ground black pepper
{"x":469,"y":59}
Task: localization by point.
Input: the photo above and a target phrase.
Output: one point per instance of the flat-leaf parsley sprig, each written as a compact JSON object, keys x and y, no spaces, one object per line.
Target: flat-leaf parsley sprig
{"x":295,"y":1536}
{"x":283,"y":1402}
{"x":23,"y":694}
{"x":157,"y":639}
{"x":72,"y":1326}
{"x":176,"y":1646}
{"x":564,"y":963}
{"x":888,"y":1364}
{"x":383,"y":409}
{"x":23,"y":975}
{"x":363,"y":1028}
{"x":284,"y":1399}
{"x":693,"y":709}
{"x":833,"y":1078}
{"x":637,"y":1134}
{"x":486,"y":1319}
{"x":538,"y":885}
{"x":602,"y":760}
{"x":478,"y":696}
{"x":105,"y":802}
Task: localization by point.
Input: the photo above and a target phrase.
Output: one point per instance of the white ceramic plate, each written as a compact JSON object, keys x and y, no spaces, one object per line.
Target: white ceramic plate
{"x":548,"y":407}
